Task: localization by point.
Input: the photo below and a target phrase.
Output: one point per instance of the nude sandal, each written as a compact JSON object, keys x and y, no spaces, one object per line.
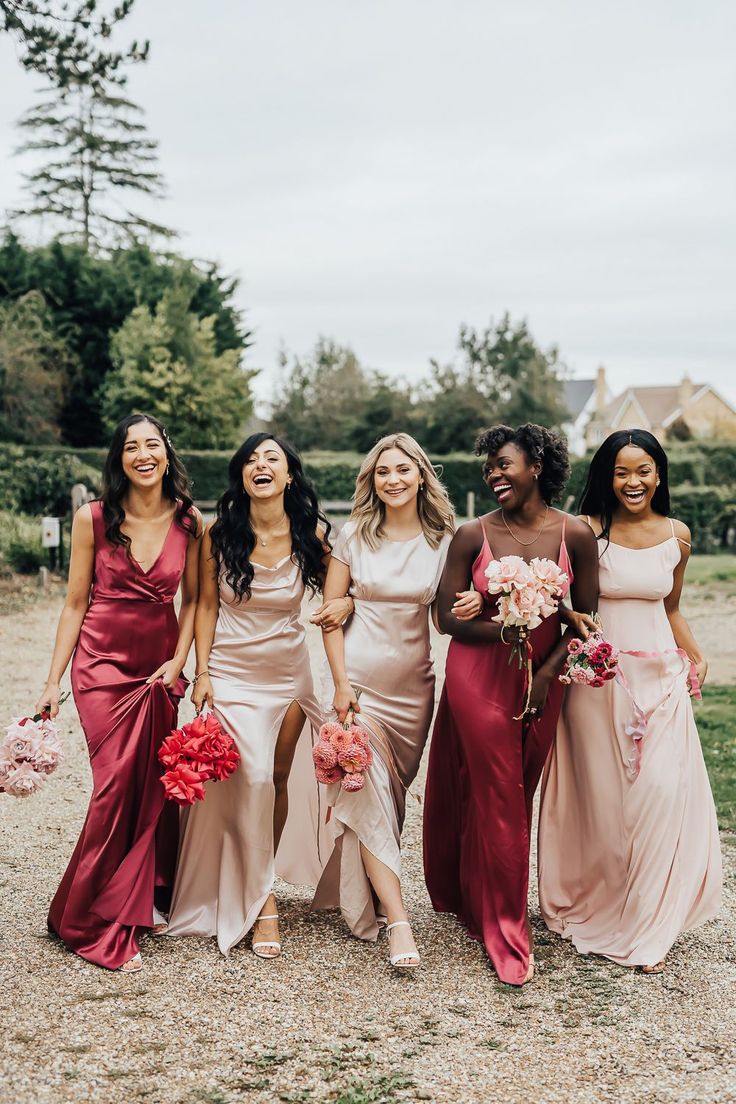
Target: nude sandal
{"x":268,"y":942}
{"x":132,"y":966}
{"x":399,"y":961}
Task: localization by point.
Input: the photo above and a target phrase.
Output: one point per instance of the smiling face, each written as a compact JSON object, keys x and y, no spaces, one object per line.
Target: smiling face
{"x":144,"y":456}
{"x":634,"y":479}
{"x":266,"y":472}
{"x":396,"y":478}
{"x":510,"y":476}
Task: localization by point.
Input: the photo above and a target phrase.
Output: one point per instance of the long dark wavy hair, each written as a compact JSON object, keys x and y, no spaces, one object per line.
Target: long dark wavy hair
{"x":540,"y":446}
{"x":115,"y":482}
{"x":598,"y":498}
{"x":233,"y":539}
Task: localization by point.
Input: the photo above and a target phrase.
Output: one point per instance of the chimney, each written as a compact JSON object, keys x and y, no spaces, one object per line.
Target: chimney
{"x":601,"y":390}
{"x":684,"y":392}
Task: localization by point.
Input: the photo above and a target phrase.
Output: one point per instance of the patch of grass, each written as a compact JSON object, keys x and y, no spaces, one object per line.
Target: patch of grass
{"x":76,"y":1048}
{"x":706,"y":570}
{"x":345,"y":1057}
{"x":716,"y":720}
{"x":208,"y":1096}
{"x":378,"y":1090}
{"x":268,"y":1061}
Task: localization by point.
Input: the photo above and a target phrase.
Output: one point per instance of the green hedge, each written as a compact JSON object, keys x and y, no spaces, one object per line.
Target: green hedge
{"x":36,"y":480}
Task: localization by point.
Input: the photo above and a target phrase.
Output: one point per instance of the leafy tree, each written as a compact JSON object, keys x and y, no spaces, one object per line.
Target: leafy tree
{"x":95,"y":151}
{"x":68,"y":42}
{"x":319,"y":402}
{"x":166,"y":363}
{"x":33,"y":368}
{"x":89,"y":297}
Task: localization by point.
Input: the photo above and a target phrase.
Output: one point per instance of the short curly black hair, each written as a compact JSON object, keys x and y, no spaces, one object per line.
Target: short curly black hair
{"x":540,"y":445}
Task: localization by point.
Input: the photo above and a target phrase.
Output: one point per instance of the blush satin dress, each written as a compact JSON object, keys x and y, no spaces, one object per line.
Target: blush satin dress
{"x":629,"y":854}
{"x":484,"y":768}
{"x":388,"y":658}
{"x":259,"y":665}
{"x":127,"y":848}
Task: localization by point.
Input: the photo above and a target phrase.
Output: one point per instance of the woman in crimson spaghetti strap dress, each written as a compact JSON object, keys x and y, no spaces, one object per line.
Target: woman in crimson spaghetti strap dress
{"x":485,"y":764}
{"x":131,"y":551}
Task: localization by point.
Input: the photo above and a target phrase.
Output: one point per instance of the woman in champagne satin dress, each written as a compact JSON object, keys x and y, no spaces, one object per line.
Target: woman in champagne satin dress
{"x":390,"y":554}
{"x":130,"y":553}
{"x":266,"y":545}
{"x":629,"y":854}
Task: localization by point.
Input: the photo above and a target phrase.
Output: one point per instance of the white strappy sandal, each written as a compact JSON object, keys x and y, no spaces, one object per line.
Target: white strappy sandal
{"x":400,"y":961}
{"x":268,"y":942}
{"x":132,"y":966}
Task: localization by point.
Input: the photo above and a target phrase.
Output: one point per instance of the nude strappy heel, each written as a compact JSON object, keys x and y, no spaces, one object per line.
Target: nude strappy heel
{"x":399,"y":961}
{"x":267,"y":942}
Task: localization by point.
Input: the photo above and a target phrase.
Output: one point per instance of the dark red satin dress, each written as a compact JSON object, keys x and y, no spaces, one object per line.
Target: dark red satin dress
{"x":484,"y":768}
{"x":129,"y":839}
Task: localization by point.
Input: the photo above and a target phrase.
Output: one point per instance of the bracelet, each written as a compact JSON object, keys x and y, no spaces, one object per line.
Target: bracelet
{"x":205,"y":672}
{"x":503,"y":638}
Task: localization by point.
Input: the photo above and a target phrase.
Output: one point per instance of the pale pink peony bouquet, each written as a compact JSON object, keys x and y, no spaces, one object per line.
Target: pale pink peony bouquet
{"x":592,"y":662}
{"x":528,"y":592}
{"x":30,"y":750}
{"x":342,"y":754}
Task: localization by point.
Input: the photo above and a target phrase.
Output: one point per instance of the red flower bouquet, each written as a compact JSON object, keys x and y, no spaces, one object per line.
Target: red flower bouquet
{"x":196,"y":753}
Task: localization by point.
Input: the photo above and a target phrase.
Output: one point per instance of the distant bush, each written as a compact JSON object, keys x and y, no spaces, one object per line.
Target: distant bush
{"x":20,"y":544}
{"x":40,"y":484}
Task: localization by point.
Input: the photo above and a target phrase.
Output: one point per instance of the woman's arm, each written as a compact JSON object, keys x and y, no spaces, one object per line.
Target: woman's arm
{"x":169,"y":672}
{"x":456,"y":578}
{"x":337,"y":584}
{"x":205,"y":621}
{"x":583,"y":549}
{"x":680,"y":629}
{"x":81,"y":570}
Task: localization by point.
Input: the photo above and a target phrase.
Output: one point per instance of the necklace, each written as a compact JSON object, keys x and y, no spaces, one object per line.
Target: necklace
{"x":535,"y":539}
{"x":271,"y":536}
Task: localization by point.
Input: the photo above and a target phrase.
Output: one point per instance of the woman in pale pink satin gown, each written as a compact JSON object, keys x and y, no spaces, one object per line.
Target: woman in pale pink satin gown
{"x":629,"y":854}
{"x":265,"y":547}
{"x":390,"y":555}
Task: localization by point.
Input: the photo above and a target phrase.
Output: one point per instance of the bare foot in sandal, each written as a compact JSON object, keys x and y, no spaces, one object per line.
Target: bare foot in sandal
{"x":657,"y":968}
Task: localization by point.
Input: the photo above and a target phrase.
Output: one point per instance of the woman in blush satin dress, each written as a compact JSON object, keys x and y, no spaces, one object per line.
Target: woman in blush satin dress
{"x":485,"y":763}
{"x":390,"y":554}
{"x":629,"y":855}
{"x":267,"y":544}
{"x":131,"y":551}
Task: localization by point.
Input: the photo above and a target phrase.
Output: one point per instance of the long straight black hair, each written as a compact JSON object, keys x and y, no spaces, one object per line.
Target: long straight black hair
{"x":233,"y":539}
{"x":115,"y":482}
{"x":598,"y":498}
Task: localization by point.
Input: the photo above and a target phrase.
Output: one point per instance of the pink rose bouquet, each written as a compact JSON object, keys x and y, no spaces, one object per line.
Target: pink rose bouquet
{"x":342,"y":754}
{"x":196,"y":753}
{"x":30,"y":750}
{"x":590,"y":663}
{"x":528,"y":593}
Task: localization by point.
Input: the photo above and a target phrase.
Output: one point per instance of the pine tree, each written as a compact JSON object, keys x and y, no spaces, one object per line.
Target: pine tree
{"x":97,"y":149}
{"x":65,"y":42}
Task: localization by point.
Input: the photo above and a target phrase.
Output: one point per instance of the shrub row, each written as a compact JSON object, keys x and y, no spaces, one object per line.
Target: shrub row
{"x":36,"y":480}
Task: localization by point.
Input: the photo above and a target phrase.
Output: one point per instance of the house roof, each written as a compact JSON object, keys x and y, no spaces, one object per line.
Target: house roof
{"x":576,"y":393}
{"x":657,"y":403}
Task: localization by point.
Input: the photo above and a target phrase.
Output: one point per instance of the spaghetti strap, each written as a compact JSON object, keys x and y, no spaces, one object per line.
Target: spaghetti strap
{"x":485,"y":538}
{"x":672,"y":527}
{"x":564,"y":524}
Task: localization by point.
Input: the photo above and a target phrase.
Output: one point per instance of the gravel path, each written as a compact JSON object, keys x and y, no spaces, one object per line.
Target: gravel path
{"x":330,"y":1020}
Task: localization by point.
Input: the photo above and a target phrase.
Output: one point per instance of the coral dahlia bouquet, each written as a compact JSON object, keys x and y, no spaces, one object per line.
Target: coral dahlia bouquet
{"x":196,"y":753}
{"x":342,"y":754}
{"x":592,"y":662}
{"x":30,"y":751}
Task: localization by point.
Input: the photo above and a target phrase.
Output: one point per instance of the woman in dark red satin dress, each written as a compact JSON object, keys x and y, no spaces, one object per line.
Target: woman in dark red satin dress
{"x":131,"y":550}
{"x":484,"y":766}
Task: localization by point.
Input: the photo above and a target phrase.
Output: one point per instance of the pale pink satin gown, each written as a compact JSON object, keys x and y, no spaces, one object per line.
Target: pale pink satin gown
{"x":388,"y":658}
{"x":629,"y":853}
{"x":258,"y":665}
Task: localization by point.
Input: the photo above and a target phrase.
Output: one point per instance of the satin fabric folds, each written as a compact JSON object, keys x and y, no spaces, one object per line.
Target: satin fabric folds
{"x":387,"y":658}
{"x":258,"y":665}
{"x":484,"y":768}
{"x":127,"y":848}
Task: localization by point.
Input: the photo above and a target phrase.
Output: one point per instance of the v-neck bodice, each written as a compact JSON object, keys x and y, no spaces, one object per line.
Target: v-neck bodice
{"x":117,"y":576}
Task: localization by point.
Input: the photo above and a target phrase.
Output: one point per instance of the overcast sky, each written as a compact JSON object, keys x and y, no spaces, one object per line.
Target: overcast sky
{"x":382,"y":172}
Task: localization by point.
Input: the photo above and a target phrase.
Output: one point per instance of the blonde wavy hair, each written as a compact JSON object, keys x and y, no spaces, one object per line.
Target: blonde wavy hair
{"x":435,"y":510}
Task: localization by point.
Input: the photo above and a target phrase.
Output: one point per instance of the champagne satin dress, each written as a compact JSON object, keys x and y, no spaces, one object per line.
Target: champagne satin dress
{"x":258,"y":665}
{"x":388,"y":658}
{"x":484,"y":768}
{"x":127,"y":848}
{"x":629,"y":854}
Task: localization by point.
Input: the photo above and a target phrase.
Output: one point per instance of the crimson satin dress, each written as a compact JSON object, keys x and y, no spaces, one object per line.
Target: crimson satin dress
{"x":484,"y":768}
{"x":129,"y":839}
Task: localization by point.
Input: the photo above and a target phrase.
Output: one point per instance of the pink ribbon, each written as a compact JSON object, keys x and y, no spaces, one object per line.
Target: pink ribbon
{"x":637,"y":726}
